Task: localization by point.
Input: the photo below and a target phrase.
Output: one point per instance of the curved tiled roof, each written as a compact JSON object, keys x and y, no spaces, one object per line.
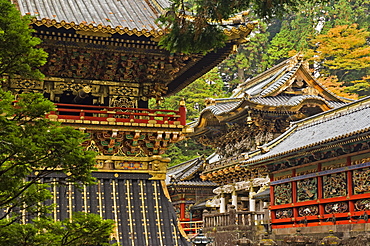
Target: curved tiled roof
{"x":139,"y":15}
{"x":280,"y":81}
{"x":287,"y":101}
{"x":223,"y":107}
{"x":274,"y":78}
{"x":255,"y":90}
{"x":284,"y":102}
{"x":184,"y":170}
{"x":336,"y":124}
{"x":183,"y":173}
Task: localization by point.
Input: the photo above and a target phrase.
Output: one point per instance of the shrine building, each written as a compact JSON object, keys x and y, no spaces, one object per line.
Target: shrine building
{"x":319,"y":170}
{"x":259,"y":112}
{"x":104,"y":65}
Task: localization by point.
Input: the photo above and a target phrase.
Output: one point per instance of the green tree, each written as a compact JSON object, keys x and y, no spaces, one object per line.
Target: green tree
{"x":209,"y":85}
{"x":250,"y":59}
{"x":200,"y":32}
{"x":18,"y":52}
{"x":82,"y":229}
{"x":186,"y":150}
{"x":32,"y":147}
{"x":344,"y":53}
{"x":296,"y":30}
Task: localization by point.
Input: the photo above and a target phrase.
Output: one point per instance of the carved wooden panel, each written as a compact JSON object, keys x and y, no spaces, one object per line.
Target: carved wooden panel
{"x":361,"y":181}
{"x":308,"y":210}
{"x":334,"y":185}
{"x":362,"y":205}
{"x":284,"y":213}
{"x":307,"y":189}
{"x":283,"y":193}
{"x":336,"y":207}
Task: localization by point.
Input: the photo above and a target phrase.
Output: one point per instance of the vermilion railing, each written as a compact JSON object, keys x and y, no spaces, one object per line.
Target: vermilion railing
{"x":117,"y":114}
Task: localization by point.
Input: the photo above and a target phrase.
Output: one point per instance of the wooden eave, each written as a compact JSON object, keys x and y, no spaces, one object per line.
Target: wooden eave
{"x":207,"y":118}
{"x":100,"y":28}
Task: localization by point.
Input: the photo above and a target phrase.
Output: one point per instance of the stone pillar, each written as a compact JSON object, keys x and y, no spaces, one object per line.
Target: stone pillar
{"x":222,"y":204}
{"x":252,"y":204}
{"x":252,"y":208}
{"x":234,"y":199}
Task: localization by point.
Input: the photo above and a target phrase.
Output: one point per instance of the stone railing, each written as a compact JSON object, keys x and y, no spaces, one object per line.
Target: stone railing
{"x":233,"y":220}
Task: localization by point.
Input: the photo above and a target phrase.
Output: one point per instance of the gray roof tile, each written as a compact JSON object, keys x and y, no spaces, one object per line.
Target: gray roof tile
{"x":331,"y":125}
{"x":139,"y":14}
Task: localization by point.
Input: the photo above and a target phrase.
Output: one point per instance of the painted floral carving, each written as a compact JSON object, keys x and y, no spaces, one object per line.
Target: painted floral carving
{"x":283,"y":193}
{"x":363,"y":204}
{"x":284,"y":213}
{"x":134,"y":144}
{"x":361,"y":181}
{"x":336,"y":207}
{"x":334,"y":185}
{"x":307,"y":189}
{"x":308,"y":211}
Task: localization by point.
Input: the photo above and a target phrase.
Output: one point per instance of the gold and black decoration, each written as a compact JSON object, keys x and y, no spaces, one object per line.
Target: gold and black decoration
{"x":245,"y":135}
{"x":130,"y":143}
{"x":142,"y":213}
{"x":124,"y":64}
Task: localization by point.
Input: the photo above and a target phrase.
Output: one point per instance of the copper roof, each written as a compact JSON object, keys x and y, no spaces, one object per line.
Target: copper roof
{"x":115,"y":15}
{"x":338,"y":124}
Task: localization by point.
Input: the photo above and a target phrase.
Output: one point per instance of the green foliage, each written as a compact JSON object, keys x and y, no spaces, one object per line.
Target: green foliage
{"x":186,"y":150}
{"x":82,"y":229}
{"x":184,"y":37}
{"x":209,"y":85}
{"x":18,"y":54}
{"x":31,"y":147}
{"x":199,"y":31}
{"x":344,"y":52}
{"x":249,"y":61}
{"x":296,"y":30}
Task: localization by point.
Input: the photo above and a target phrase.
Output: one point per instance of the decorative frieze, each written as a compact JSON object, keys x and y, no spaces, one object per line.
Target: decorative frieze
{"x":129,"y":143}
{"x":362,"y":205}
